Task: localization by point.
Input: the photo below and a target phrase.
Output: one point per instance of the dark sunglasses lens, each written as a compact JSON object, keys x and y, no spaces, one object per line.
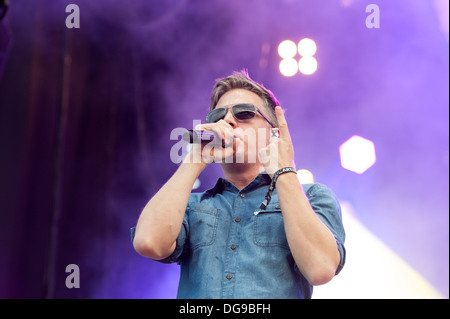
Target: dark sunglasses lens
{"x":244,"y":111}
{"x":216,"y":115}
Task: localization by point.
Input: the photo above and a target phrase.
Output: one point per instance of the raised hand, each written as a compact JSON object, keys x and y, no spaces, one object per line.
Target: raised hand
{"x":279,"y":153}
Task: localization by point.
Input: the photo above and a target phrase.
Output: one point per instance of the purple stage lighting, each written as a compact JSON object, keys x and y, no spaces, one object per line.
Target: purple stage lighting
{"x":307,"y":47}
{"x":289,"y":65}
{"x":357,"y":154}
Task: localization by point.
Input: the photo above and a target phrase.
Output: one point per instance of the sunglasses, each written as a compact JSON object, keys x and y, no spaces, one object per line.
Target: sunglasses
{"x":241,"y":112}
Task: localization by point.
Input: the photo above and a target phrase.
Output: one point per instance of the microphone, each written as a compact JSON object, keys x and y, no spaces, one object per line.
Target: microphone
{"x":196,"y":136}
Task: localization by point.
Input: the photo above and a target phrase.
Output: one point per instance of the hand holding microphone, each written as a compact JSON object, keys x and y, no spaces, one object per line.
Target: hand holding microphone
{"x":212,"y":141}
{"x":196,"y":136}
{"x":211,"y":132}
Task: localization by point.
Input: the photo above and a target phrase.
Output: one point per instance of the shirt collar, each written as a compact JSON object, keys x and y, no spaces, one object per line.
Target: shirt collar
{"x":260,"y":180}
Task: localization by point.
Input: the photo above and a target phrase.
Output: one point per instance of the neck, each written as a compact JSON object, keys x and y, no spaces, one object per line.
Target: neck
{"x":241,"y":174}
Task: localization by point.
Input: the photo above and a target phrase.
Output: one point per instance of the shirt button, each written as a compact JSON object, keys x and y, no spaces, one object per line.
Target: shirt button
{"x":237,"y":220}
{"x":242,"y":195}
{"x":233,"y":247}
{"x":229,"y":276}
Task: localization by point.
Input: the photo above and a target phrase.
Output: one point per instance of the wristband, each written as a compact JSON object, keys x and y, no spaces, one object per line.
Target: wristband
{"x":268,"y":197}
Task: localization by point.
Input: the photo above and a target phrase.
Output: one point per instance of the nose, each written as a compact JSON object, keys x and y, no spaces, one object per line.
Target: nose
{"x":229,"y":118}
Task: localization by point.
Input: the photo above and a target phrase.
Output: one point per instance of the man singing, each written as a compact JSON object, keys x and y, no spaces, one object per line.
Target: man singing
{"x":258,"y":233}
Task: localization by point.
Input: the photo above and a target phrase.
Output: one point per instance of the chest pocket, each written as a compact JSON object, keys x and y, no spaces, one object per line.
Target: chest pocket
{"x":203,"y":222}
{"x":269,"y":228}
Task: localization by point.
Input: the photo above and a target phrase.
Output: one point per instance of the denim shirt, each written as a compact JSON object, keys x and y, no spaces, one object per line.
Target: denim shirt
{"x":226,"y":251}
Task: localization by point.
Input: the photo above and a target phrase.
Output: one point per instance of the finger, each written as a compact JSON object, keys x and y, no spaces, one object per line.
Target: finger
{"x":282,"y":124}
{"x":221,"y":129}
{"x":228,"y":135}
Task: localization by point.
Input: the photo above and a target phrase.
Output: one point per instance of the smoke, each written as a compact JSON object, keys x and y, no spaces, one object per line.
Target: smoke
{"x":142,"y":68}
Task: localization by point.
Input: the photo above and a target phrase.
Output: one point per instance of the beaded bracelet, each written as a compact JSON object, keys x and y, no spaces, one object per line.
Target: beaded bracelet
{"x":268,"y":197}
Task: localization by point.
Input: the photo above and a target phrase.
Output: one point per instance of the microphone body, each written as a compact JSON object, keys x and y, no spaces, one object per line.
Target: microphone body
{"x":196,"y":136}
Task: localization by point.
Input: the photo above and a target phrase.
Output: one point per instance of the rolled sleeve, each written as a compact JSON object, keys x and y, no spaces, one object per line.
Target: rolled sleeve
{"x":179,"y":251}
{"x":326,"y":205}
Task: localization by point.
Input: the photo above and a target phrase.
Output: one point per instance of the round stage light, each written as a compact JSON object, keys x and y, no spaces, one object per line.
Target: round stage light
{"x":196,"y":184}
{"x":307,"y":65}
{"x":307,"y":47}
{"x":305,"y":176}
{"x":288,"y":67}
{"x":287,"y":49}
{"x":357,"y":154}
